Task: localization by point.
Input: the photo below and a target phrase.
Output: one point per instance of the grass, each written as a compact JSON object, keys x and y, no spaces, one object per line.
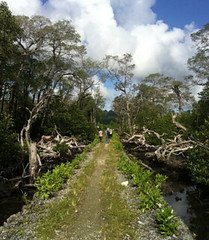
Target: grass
{"x":58,"y":216}
{"x":61,"y":213}
{"x":149,"y":190}
{"x":53,"y":181}
{"x":116,"y":213}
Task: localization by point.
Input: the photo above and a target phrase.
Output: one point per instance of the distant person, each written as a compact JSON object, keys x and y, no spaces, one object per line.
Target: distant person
{"x":110,"y":131}
{"x":107,"y":135}
{"x":100,"y":135}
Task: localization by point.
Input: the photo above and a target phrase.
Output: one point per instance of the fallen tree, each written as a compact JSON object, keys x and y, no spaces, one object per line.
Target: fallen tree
{"x":48,"y":144}
{"x":34,"y":159}
{"x":167,"y":149}
{"x":46,"y":148}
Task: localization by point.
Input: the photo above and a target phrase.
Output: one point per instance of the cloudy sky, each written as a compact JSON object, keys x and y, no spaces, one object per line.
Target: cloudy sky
{"x":155,"y":32}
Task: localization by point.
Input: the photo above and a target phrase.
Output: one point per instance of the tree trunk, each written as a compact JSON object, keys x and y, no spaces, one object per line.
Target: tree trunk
{"x":129,"y":117}
{"x":33,"y":162}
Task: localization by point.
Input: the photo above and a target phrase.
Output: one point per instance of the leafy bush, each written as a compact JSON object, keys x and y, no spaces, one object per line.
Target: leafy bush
{"x":9,"y":146}
{"x":62,"y":148}
{"x":152,"y":139}
{"x":53,"y":181}
{"x":148,"y":184}
{"x":198,"y":165}
{"x":166,"y":220}
{"x":149,"y":188}
{"x":150,"y":194}
{"x":69,"y":120}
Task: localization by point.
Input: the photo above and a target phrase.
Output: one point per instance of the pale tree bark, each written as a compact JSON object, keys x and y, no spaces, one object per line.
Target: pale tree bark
{"x":177,"y":124}
{"x":34,"y":159}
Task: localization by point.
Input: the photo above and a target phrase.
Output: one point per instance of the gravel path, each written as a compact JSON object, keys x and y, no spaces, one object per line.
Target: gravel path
{"x":88,"y":224}
{"x":89,"y":220}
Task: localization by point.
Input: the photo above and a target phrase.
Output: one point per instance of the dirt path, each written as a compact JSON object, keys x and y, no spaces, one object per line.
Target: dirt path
{"x":88,"y":224}
{"x":101,"y":213}
{"x":93,"y":206}
{"x":88,"y":220}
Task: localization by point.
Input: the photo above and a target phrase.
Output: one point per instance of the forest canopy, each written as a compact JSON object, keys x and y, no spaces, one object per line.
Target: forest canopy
{"x":40,"y":58}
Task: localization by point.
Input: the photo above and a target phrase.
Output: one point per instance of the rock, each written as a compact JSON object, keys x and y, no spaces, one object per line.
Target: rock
{"x":124,"y":183}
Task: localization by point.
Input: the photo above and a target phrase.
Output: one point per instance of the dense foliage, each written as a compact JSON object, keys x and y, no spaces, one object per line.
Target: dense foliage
{"x":39,"y":57}
{"x":151,"y":102}
{"x":10,"y":152}
{"x":52,"y":181}
{"x":149,"y":189}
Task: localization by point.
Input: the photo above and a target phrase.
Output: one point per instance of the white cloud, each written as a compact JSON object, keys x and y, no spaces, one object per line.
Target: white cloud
{"x":161,"y":50}
{"x":120,"y":26}
{"x":133,"y":12}
{"x":107,"y":91}
{"x":109,"y":94}
{"x":24,"y":7}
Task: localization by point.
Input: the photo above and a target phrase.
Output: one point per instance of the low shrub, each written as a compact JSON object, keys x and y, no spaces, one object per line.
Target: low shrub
{"x":166,"y":220}
{"x":53,"y":181}
{"x":61,"y":148}
{"x":198,"y":165}
{"x":148,"y":184}
{"x":149,"y":188}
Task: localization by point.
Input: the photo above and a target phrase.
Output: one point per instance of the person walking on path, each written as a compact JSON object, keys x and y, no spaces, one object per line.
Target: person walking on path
{"x":107,"y":135}
{"x":110,"y":131}
{"x":100,"y":135}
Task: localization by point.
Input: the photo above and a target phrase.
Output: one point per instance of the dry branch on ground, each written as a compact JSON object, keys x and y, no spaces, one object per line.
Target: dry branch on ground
{"x":164,"y":151}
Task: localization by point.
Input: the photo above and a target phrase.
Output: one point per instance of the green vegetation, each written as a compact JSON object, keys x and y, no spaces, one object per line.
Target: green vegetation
{"x":149,"y":190}
{"x":198,"y":164}
{"x":150,"y":194}
{"x":53,"y":181}
{"x":116,"y":212}
{"x":61,"y":148}
{"x":10,"y":151}
{"x":148,"y":184}
{"x":69,"y":119}
{"x":40,"y":57}
{"x":63,"y":212}
{"x":166,"y":220}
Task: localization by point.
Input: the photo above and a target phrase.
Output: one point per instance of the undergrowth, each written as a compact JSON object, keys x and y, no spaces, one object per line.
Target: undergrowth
{"x":53,"y":181}
{"x":116,"y":213}
{"x":149,"y":190}
{"x":61,"y":214}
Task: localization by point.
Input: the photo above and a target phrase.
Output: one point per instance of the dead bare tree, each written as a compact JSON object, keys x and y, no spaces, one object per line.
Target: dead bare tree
{"x":46,"y":146}
{"x":167,"y":148}
{"x":178,"y":125}
{"x":34,"y":159}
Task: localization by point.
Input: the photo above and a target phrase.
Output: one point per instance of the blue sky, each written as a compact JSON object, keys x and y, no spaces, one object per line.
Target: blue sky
{"x":156,"y":32}
{"x":178,"y":13}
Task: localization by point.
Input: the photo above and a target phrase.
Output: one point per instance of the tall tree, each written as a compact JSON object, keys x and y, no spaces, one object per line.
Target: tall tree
{"x":199,"y":63}
{"x":8,"y":52}
{"x":47,"y":62}
{"x":87,"y":80}
{"x":171,"y":92}
{"x":121,"y":73}
{"x":49,"y":50}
